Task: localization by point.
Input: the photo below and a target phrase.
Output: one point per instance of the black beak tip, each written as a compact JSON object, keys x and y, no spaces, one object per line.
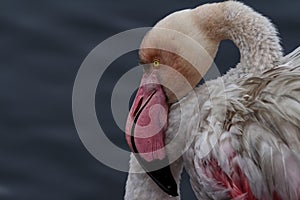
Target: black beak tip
{"x":165,"y":180}
{"x":171,"y":188}
{"x":172,"y":191}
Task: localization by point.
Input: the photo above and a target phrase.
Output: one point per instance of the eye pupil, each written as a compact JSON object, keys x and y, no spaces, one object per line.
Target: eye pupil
{"x":156,"y":63}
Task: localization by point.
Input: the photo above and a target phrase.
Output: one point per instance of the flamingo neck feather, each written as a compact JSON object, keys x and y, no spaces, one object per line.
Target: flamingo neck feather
{"x":254,"y":35}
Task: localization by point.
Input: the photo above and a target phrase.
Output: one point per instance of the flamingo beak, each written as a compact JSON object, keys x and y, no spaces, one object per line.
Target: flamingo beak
{"x":145,"y":132}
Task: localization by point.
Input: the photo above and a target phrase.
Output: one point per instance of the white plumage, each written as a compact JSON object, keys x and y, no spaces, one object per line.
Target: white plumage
{"x":245,"y":141}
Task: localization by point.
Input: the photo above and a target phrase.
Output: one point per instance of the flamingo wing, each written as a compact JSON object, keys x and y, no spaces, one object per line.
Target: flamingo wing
{"x":252,"y":149}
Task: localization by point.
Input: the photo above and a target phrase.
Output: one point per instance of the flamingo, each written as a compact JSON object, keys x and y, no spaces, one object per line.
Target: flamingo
{"x":240,"y":139}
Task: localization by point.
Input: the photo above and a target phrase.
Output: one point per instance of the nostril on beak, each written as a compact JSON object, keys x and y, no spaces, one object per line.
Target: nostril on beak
{"x":138,"y":107}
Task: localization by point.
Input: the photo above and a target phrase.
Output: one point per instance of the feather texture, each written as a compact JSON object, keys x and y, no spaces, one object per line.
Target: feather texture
{"x":257,"y":153}
{"x":239,"y":135}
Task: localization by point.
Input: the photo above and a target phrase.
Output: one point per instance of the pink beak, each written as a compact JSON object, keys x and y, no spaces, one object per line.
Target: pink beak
{"x":146,"y":125}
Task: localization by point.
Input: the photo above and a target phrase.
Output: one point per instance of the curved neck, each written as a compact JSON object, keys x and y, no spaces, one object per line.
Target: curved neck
{"x":252,"y":33}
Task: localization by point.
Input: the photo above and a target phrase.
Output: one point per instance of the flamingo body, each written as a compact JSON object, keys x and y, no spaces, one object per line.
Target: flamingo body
{"x":239,"y":135}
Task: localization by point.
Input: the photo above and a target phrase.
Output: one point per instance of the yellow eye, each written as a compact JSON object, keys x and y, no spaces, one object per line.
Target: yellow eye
{"x":156,"y":63}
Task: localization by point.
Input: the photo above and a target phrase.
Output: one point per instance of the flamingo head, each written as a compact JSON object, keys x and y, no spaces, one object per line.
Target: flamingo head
{"x":175,"y":54}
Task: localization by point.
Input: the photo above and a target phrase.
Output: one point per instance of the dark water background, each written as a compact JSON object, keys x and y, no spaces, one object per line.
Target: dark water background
{"x":42,"y":44}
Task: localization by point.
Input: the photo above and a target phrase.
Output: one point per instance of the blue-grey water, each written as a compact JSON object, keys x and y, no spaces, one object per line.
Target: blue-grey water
{"x":42,"y":45}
